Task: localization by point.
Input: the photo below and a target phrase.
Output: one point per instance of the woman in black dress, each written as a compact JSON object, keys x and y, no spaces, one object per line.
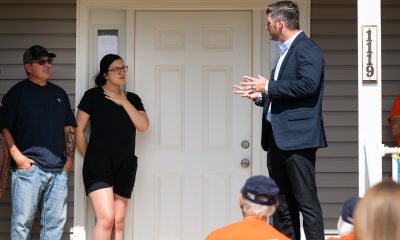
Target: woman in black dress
{"x":110,"y":164}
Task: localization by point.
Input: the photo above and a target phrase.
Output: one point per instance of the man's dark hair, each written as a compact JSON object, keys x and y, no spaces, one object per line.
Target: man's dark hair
{"x":287,"y":11}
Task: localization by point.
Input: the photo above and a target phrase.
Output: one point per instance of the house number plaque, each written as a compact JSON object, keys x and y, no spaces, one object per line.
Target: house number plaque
{"x":369,"y":53}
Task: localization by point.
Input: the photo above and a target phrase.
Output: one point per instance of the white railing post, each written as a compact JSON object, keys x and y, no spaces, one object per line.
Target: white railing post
{"x":369,"y":93}
{"x":395,"y":154}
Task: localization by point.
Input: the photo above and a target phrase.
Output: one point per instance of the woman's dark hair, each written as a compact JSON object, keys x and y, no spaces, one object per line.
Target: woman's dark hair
{"x":105,"y":63}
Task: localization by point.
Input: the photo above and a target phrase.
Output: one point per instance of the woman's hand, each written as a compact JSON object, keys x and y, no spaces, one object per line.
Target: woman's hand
{"x":118,"y":99}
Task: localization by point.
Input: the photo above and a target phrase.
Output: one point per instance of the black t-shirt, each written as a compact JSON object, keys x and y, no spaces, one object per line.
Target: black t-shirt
{"x":112,"y":133}
{"x":36,"y":116}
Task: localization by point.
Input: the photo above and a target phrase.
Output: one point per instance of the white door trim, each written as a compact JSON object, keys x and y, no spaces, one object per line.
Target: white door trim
{"x":260,"y":66}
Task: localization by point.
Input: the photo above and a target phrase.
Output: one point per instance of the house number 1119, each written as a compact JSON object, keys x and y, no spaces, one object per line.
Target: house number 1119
{"x":369,"y":51}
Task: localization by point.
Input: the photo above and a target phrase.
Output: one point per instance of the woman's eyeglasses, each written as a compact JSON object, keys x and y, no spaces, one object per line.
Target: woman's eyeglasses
{"x":42,"y":62}
{"x":118,"y":70}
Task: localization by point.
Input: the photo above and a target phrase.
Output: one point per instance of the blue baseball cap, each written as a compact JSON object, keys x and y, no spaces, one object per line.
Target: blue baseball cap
{"x":347,"y":209}
{"x":261,"y":190}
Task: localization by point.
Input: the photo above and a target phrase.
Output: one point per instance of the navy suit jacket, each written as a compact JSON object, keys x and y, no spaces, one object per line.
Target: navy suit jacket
{"x":296,"y":97}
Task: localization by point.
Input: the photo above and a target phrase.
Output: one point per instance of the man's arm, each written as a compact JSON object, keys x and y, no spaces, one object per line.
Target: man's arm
{"x":395,"y":125}
{"x":20,"y":159}
{"x":70,"y":142}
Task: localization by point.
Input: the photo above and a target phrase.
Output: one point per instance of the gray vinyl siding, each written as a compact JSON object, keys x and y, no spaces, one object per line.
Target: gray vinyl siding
{"x":334,"y":28}
{"x":337,"y":165}
{"x":52,"y":24}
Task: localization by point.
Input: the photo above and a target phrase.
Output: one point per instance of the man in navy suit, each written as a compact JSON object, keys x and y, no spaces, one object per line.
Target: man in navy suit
{"x":292,"y":120}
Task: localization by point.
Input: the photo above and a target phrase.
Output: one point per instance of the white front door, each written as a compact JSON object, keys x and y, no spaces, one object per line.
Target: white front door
{"x":190,"y":174}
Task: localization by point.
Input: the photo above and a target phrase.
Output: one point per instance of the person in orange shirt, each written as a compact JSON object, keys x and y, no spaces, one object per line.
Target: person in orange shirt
{"x":394,"y":120}
{"x":345,"y":223}
{"x":258,"y":201}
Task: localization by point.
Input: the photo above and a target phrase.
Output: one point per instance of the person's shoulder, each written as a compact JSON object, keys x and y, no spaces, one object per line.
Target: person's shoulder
{"x":231,"y":227}
{"x":347,"y":237}
{"x":19,"y":85}
{"x":132,"y":95}
{"x":306,"y":41}
{"x":55,"y":87}
{"x":94,"y":90}
{"x":18,"y":88}
{"x":275,"y":234}
{"x":303,"y":39}
{"x":221,"y":233}
{"x":307,"y":46}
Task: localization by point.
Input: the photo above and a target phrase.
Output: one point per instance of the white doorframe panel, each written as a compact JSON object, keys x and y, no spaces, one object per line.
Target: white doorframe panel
{"x":83,"y":70}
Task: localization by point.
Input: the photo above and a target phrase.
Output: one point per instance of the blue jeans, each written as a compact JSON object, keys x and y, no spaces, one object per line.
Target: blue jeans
{"x":35,"y":188}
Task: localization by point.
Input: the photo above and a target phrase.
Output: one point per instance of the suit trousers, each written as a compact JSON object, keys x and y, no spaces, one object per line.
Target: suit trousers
{"x":294,"y":173}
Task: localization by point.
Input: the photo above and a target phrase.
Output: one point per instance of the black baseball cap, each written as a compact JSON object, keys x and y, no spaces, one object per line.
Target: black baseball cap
{"x":261,"y":190}
{"x":36,"y":52}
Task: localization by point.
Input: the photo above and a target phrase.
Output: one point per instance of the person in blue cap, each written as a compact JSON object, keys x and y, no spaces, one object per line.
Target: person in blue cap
{"x":258,"y":200}
{"x":345,"y":223}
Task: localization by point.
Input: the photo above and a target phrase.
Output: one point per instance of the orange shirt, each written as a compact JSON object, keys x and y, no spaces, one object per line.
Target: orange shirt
{"x":395,"y":112}
{"x":347,"y":237}
{"x":249,"y":229}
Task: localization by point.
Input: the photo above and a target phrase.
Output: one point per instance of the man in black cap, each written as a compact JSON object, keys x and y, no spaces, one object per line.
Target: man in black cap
{"x":258,"y":201}
{"x":39,"y":128}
